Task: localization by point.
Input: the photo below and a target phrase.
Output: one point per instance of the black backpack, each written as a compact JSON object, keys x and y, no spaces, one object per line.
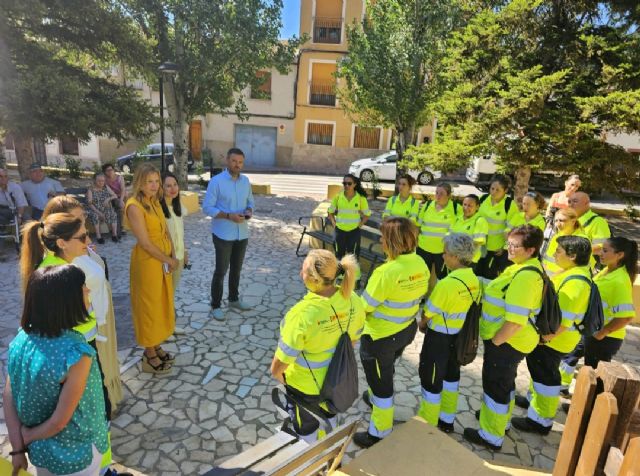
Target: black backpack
{"x":429,"y":202}
{"x":507,"y":202}
{"x":548,"y":319}
{"x":593,"y":320}
{"x":467,"y":340}
{"x":340,"y":387}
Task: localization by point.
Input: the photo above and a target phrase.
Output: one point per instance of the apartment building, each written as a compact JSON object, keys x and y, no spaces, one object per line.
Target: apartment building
{"x":325,"y":138}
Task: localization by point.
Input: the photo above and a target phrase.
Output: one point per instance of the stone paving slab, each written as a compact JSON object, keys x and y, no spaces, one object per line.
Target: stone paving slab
{"x":217,"y":401}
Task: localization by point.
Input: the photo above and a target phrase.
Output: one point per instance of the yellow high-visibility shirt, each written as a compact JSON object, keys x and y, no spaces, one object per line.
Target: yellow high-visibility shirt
{"x":616,"y":292}
{"x":393,"y":294}
{"x":435,"y":224}
{"x":573,"y":297}
{"x":311,"y":328}
{"x":595,"y":228}
{"x":511,"y":298}
{"x":477,"y":228}
{"x":548,"y":260}
{"x":450,"y":300}
{"x":519,"y":219}
{"x":497,"y":219}
{"x":407,"y":209}
{"x":348,"y":212}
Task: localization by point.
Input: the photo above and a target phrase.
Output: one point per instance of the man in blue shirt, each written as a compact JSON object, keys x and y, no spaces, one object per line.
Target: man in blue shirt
{"x":229,"y":202}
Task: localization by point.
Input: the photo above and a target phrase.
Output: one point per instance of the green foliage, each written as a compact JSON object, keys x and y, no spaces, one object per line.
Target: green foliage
{"x":54,"y":173}
{"x":539,"y":84}
{"x":376,"y":191}
{"x":391,"y":75}
{"x":73,"y":166}
{"x":56,"y":76}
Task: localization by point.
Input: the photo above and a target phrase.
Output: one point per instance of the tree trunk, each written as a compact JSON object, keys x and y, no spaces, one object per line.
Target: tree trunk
{"x":24,"y":154}
{"x":404,"y":137}
{"x":179,"y":128}
{"x":3,"y":158}
{"x":523,"y":174}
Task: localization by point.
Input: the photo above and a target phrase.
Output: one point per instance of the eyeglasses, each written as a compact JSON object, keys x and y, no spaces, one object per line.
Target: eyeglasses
{"x":82,"y":238}
{"x":347,"y":184}
{"x":514,"y":245}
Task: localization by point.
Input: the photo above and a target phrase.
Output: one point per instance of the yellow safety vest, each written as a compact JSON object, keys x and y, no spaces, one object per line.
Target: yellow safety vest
{"x":595,"y":228}
{"x":497,"y":219}
{"x":348,"y":212}
{"x":435,"y":224}
{"x":450,"y":300}
{"x":407,"y":209}
{"x":548,"y":260}
{"x":519,"y":302}
{"x":477,"y":228}
{"x":519,"y":219}
{"x":393,"y":294}
{"x":310,"y":331}
{"x":617,"y":298}
{"x":573,"y":297}
{"x":88,"y":329}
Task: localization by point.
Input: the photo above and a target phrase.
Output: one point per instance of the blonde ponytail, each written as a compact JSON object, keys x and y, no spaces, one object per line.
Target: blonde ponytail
{"x":349,"y":266}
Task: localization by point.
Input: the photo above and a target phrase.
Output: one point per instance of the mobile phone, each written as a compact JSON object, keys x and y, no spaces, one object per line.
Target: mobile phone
{"x":165,"y":267}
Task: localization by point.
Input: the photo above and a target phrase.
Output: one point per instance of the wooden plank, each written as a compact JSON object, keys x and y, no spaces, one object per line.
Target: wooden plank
{"x":631,"y":462}
{"x":599,"y":433}
{"x":253,"y":455}
{"x":630,"y":403}
{"x":614,"y":461}
{"x":633,"y":429}
{"x":283,"y":455}
{"x":576,"y":424}
{"x":339,"y":436}
{"x":612,"y":378}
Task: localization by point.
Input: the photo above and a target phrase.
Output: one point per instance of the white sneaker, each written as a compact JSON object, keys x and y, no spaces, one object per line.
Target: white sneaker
{"x":240,"y":305}
{"x":217,"y":314}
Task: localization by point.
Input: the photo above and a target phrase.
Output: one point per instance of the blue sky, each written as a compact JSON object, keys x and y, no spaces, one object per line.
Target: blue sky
{"x":290,"y":18}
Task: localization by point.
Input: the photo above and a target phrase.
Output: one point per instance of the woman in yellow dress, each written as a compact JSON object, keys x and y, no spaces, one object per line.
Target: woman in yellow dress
{"x":152,"y":262}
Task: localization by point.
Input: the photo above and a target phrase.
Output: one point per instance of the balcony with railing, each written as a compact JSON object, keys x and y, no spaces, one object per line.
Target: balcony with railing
{"x":327,"y":30}
{"x":322,"y":93}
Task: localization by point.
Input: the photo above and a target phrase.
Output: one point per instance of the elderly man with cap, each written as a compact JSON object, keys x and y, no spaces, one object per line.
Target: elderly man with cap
{"x":594,"y":226}
{"x":39,"y":189}
{"x":11,"y":197}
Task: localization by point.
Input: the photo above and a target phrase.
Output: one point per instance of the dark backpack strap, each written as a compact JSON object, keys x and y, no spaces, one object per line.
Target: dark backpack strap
{"x":575,"y":276}
{"x":507,"y":204}
{"x":589,"y":221}
{"x":542,"y":275}
{"x":483,"y":198}
{"x":468,"y":290}
{"x":393,"y":201}
{"x":455,"y":207}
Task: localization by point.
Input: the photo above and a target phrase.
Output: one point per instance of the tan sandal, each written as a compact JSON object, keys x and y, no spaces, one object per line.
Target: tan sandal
{"x":164,"y":355}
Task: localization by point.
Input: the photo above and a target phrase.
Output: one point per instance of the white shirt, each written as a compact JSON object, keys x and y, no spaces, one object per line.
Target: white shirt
{"x":96,"y":281}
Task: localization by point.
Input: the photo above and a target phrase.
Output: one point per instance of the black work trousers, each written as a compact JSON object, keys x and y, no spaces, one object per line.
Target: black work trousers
{"x":438,"y":361}
{"x":434,"y":261}
{"x":492,"y":265}
{"x":347,"y":242}
{"x":544,"y":365}
{"x":499,"y":371}
{"x":229,"y":257}
{"x":379,"y":357}
{"x":303,"y":422}
{"x":596,"y":351}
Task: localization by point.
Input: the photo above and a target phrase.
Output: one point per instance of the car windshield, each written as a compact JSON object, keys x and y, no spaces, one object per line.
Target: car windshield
{"x":386,"y":157}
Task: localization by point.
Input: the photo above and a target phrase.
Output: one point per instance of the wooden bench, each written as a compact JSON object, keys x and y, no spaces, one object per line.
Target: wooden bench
{"x":284,"y":454}
{"x":373,"y":253}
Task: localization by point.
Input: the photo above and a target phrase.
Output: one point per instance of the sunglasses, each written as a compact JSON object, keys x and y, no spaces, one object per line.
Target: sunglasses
{"x":82,"y":238}
{"x":347,"y":184}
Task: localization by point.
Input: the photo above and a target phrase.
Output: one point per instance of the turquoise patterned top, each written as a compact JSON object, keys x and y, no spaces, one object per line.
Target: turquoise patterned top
{"x":37,"y":366}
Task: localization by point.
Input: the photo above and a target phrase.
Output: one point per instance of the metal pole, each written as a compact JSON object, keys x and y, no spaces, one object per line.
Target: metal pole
{"x":161,"y":126}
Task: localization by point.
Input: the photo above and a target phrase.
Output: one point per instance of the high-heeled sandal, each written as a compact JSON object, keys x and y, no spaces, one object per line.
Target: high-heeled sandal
{"x":161,"y":368}
{"x":164,"y":355}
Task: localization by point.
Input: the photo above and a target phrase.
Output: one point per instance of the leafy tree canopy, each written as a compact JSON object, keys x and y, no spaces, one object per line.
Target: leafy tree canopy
{"x":540,"y":84}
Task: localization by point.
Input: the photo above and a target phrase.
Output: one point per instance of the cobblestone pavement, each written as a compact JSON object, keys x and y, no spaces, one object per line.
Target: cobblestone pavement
{"x":217,"y":402}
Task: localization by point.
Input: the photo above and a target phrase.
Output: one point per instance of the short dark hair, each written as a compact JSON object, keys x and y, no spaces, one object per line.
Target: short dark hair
{"x":578,"y":246}
{"x":107,"y":166}
{"x":503,"y":180}
{"x":473,"y":197}
{"x":234,"y":151}
{"x":53,"y":301}
{"x":532,"y":237}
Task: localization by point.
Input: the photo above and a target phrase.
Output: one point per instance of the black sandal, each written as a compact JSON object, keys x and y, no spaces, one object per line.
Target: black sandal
{"x":164,"y":355}
{"x":161,"y":368}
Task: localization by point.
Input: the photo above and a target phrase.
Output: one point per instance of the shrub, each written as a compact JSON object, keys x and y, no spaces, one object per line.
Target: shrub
{"x":73,"y":166}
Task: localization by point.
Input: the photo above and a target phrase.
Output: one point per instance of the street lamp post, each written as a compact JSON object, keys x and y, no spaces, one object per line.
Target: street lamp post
{"x":165,"y":68}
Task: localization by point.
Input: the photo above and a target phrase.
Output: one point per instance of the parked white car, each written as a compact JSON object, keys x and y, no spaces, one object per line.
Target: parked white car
{"x":383,"y":167}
